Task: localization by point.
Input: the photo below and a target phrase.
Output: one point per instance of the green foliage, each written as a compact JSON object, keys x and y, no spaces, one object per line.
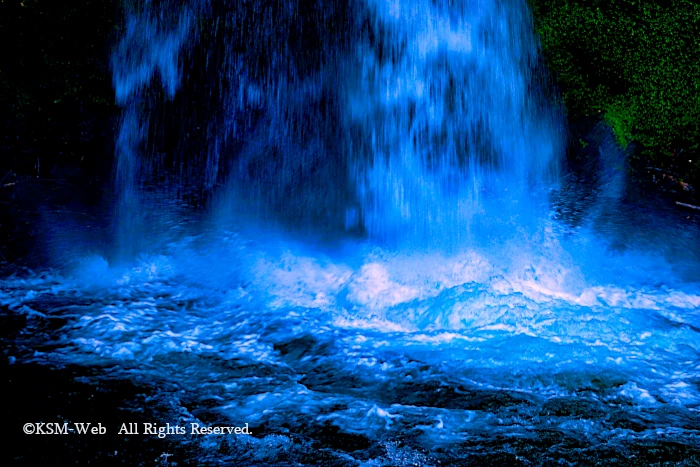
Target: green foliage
{"x":621,"y":118}
{"x":637,"y":62}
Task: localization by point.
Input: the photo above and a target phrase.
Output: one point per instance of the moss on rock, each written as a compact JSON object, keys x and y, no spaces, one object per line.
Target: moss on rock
{"x":636,"y":64}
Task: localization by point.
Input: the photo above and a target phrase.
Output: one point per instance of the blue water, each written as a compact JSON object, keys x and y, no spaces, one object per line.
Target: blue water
{"x":455,"y":131}
{"x":440,"y":354}
{"x":437,"y":301}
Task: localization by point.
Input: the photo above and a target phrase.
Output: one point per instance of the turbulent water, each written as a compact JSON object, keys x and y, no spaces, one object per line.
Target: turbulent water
{"x":381,"y":358}
{"x":466,"y":320}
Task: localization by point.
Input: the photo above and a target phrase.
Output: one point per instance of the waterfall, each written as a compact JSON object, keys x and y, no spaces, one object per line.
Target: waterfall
{"x":416,"y":121}
{"x":333,"y":228}
{"x":149,"y":49}
{"x":452,"y":125}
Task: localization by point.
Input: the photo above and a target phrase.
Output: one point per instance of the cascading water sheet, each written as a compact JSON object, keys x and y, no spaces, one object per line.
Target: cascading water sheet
{"x":453,"y":128}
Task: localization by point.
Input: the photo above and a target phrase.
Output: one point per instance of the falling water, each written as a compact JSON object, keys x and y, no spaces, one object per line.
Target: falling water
{"x":417,"y":119}
{"x":149,"y":50}
{"x":346,"y":224}
{"x":450,"y":118}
